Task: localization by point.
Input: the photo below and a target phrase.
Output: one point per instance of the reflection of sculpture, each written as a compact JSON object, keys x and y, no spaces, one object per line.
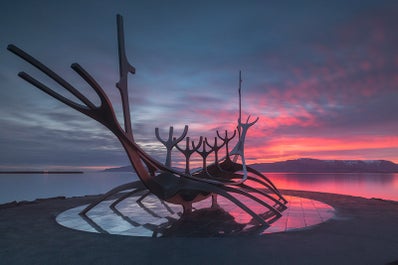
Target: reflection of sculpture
{"x":223,"y":177}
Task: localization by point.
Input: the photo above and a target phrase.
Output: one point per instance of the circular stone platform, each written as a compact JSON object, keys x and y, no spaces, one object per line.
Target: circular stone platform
{"x":153,"y":218}
{"x":363,"y":231}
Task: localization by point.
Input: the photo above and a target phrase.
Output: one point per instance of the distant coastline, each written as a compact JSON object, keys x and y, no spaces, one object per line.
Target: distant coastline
{"x":41,"y":172}
{"x":310,"y":165}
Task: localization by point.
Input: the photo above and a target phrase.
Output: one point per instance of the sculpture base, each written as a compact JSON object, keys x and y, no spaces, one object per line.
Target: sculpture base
{"x":153,"y":218}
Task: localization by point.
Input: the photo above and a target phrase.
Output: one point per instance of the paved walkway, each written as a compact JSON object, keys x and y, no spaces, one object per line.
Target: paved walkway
{"x":363,"y":231}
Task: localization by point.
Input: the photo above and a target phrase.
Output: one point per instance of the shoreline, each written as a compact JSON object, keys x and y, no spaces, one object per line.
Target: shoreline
{"x":288,"y":191}
{"x":41,"y":172}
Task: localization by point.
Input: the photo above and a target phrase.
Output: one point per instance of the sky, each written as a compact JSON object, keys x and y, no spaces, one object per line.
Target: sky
{"x":322,"y":76}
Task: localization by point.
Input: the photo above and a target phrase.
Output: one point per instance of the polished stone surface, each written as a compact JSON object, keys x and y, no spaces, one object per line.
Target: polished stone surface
{"x":153,"y":218}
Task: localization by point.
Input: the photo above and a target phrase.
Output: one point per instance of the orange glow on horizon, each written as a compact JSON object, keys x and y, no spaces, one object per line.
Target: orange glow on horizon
{"x":285,"y":148}
{"x":266,"y":144}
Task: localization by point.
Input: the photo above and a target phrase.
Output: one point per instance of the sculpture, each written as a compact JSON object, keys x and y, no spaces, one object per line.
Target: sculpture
{"x":222,"y":177}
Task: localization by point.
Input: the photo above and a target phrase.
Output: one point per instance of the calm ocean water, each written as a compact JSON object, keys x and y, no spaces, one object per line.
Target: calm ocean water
{"x":368,"y":185}
{"x":19,"y":187}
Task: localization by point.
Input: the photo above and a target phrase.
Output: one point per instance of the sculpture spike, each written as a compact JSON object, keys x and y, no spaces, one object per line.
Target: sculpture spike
{"x":124,"y":68}
{"x":170,"y":142}
{"x":240,"y":95}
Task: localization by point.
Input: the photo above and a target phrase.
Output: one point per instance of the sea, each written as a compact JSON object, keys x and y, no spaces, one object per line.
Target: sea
{"x":28,"y":187}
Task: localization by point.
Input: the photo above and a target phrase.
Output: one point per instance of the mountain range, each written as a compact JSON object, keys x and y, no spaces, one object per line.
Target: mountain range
{"x":310,"y":165}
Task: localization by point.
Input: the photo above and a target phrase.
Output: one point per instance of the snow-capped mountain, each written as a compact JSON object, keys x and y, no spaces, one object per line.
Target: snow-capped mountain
{"x":333,"y":166}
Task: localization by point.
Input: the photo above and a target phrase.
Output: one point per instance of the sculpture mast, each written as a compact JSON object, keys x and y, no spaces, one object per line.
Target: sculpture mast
{"x":242,"y":130}
{"x":240,"y":95}
{"x":124,"y":69}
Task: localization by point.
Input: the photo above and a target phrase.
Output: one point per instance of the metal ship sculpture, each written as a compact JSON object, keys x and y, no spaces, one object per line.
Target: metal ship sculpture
{"x":224,"y":176}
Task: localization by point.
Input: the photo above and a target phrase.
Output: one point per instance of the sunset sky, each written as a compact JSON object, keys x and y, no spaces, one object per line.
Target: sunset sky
{"x":321,"y":75}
